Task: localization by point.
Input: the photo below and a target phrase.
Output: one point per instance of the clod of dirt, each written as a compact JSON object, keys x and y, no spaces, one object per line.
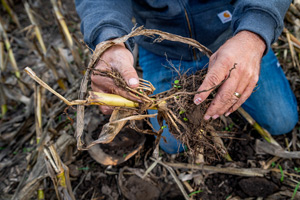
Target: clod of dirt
{"x":123,"y":147}
{"x":137,"y":188}
{"x":73,"y":170}
{"x":258,"y":187}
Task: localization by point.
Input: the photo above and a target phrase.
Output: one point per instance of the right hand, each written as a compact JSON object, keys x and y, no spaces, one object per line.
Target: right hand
{"x":119,"y":58}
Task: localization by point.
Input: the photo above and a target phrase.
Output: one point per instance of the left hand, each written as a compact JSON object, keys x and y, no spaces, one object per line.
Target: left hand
{"x":246,"y":50}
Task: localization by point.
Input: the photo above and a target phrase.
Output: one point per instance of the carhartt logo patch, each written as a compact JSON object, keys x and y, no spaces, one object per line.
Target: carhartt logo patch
{"x":225,"y":16}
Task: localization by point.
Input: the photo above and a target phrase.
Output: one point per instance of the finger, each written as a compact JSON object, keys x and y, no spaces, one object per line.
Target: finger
{"x":102,"y":83}
{"x":215,"y":75}
{"x":124,"y":65}
{"x":225,"y":97}
{"x":130,"y":76}
{"x":245,"y":95}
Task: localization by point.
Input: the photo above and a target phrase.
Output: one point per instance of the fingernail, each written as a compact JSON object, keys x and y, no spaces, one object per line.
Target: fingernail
{"x":227,"y":114}
{"x":198,"y":101}
{"x":215,"y":116}
{"x":133,"y":81}
{"x":207,"y":117}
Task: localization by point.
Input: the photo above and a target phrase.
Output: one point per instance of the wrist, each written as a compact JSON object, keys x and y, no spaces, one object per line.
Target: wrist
{"x":254,"y":40}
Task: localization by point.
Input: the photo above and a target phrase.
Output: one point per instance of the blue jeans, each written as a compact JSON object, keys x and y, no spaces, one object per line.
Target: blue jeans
{"x":273,"y":105}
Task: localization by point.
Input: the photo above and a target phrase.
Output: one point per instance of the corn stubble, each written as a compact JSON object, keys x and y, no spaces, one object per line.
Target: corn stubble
{"x":14,"y":90}
{"x":173,"y":105}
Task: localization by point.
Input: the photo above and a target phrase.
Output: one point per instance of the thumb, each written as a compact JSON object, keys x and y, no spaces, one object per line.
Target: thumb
{"x":130,"y":76}
{"x":122,"y":60}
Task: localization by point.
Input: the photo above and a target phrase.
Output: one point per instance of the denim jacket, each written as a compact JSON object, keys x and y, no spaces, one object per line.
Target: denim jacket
{"x":211,"y":22}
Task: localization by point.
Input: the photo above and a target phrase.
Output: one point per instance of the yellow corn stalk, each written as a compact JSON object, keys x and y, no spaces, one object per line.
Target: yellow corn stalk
{"x":9,"y":50}
{"x":36,"y":28}
{"x":42,"y":50}
{"x":2,"y":68}
{"x":3,"y":101}
{"x":95,"y":98}
{"x":59,"y":174}
{"x":67,"y":35}
{"x":11,"y":13}
{"x":2,"y":63}
{"x":41,"y":194}
{"x":11,"y":56}
{"x":263,"y":132}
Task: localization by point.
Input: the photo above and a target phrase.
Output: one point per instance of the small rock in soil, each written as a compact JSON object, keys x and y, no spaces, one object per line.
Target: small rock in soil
{"x":139,"y":189}
{"x":258,"y":187}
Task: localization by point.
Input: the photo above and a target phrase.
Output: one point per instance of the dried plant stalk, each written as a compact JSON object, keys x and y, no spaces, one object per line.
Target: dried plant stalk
{"x":42,"y":83}
{"x":292,"y":49}
{"x":2,"y":57}
{"x":247,"y":172}
{"x":2,"y":68}
{"x":67,"y":69}
{"x":11,"y":57}
{"x":11,"y":13}
{"x":42,"y":50}
{"x":41,"y":194}
{"x":263,"y":132}
{"x":220,"y":145}
{"x":49,"y":63}
{"x":38,"y":113}
{"x":3,"y":100}
{"x":36,"y":28}
{"x":9,"y":50}
{"x":67,"y":35}
{"x":61,"y":178}
{"x":94,"y":98}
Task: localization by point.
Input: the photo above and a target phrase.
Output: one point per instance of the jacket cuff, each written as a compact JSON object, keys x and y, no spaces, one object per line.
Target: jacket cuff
{"x":108,"y":33}
{"x":257,"y":22}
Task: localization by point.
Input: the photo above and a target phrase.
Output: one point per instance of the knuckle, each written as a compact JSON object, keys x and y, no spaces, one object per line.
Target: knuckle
{"x":94,"y":78}
{"x":226,"y":61}
{"x":255,"y":79}
{"x":213,"y":79}
{"x":246,"y":73}
{"x":245,"y":97}
{"x":126,"y":70}
{"x":235,"y":107}
{"x":102,"y":83}
{"x":226,"y":98}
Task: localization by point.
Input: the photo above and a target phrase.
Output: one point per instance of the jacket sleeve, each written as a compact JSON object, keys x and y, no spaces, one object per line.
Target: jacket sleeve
{"x":264,"y":18}
{"x":102,"y":20}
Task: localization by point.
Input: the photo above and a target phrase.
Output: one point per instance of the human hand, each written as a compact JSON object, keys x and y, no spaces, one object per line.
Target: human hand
{"x":119,"y":58}
{"x":246,"y":50}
